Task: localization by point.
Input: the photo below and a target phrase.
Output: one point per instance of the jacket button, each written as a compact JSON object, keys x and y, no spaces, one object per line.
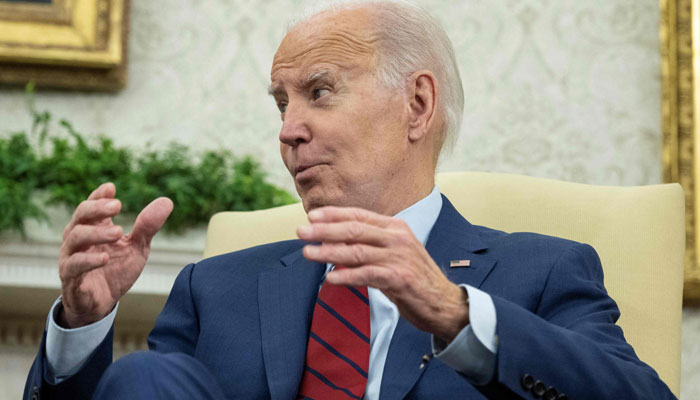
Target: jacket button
{"x":527,"y":382}
{"x":35,"y":393}
{"x":562,"y":396}
{"x":550,"y":394}
{"x":539,"y":389}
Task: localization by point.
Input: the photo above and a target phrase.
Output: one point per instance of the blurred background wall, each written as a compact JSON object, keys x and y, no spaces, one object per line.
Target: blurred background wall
{"x":564,"y":89}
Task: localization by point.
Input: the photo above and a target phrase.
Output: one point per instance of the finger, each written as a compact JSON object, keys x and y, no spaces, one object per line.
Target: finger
{"x":96,"y":210}
{"x":151,"y":219}
{"x":339,"y":214}
{"x":92,"y":212}
{"x":369,"y":275}
{"x":105,"y":190}
{"x":346,"y":232}
{"x":80,"y":263}
{"x":350,"y":255}
{"x":83,"y":236}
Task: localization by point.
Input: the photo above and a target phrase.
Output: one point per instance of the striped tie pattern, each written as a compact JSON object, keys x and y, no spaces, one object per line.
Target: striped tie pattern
{"x":337,"y":355}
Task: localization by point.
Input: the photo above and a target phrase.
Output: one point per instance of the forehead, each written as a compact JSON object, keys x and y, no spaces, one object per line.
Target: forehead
{"x":339,"y":40}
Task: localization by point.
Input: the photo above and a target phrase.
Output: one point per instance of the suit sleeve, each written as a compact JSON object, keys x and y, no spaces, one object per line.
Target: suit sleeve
{"x":176,"y":330}
{"x":570,"y":342}
{"x":81,"y":385}
{"x":68,"y":349}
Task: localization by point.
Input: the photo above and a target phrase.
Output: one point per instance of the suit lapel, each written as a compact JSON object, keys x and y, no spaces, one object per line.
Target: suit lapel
{"x":286,"y":297}
{"x":452,"y":238}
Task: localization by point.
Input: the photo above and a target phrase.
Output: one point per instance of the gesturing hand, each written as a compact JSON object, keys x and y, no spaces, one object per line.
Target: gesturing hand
{"x":383,"y":253}
{"x":97,"y":263}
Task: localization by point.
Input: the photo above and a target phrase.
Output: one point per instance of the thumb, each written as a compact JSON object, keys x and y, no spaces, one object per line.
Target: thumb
{"x":151,"y":219}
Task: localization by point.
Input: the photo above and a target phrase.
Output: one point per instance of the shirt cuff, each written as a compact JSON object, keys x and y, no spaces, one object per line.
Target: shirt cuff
{"x":67,"y":350}
{"x":473,"y":351}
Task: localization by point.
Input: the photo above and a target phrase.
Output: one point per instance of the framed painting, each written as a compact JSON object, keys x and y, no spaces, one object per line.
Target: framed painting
{"x":72,"y":44}
{"x":680,"y":106}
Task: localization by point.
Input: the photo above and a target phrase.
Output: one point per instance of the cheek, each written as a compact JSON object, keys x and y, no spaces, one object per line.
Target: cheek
{"x":383,"y":118}
{"x":285,"y":152}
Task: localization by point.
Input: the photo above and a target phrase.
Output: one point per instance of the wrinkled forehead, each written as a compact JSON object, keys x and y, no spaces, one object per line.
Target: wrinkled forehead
{"x":344,"y":39}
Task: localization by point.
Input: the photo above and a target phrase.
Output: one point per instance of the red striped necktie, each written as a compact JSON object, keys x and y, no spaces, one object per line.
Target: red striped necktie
{"x":337,"y":355}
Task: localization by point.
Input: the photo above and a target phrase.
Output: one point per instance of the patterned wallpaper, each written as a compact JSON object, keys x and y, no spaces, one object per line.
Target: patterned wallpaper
{"x":565,"y":89}
{"x":556,"y":88}
{"x":562,"y":89}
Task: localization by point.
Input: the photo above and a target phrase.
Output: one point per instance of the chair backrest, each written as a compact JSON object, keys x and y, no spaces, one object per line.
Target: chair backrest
{"x":639,"y":233}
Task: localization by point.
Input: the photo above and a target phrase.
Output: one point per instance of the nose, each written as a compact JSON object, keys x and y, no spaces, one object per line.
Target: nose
{"x":295,"y":129}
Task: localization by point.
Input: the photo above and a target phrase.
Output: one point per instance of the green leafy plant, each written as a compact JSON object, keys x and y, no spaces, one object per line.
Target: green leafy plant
{"x":19,"y":170}
{"x":66,"y":167}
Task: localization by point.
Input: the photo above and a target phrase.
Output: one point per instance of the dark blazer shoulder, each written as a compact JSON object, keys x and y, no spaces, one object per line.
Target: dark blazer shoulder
{"x":499,"y":241}
{"x":239,"y":268}
{"x":526,"y":263}
{"x":522,"y":261}
{"x":252,"y":258}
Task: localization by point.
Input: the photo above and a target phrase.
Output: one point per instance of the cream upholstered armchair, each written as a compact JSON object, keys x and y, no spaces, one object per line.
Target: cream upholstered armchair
{"x":637,"y":231}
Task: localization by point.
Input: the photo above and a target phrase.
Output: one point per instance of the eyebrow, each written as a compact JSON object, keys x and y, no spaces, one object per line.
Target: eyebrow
{"x":309,"y":81}
{"x":315,"y":77}
{"x":274,"y":90}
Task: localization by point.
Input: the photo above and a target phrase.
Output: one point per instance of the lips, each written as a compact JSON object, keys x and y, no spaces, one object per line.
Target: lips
{"x":305,"y":169}
{"x":301,"y":168}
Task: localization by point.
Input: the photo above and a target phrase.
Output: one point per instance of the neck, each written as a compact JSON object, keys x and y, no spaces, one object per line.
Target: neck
{"x":413,"y":180}
{"x":404,"y":193}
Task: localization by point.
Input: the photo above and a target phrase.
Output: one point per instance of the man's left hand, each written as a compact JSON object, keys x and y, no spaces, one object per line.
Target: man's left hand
{"x":382,"y":252}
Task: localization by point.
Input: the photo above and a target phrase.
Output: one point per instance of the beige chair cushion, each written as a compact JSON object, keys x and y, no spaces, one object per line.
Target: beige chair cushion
{"x":639,"y":233}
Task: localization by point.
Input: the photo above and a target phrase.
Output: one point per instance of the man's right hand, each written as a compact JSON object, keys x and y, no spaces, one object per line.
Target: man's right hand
{"x":97,"y":263}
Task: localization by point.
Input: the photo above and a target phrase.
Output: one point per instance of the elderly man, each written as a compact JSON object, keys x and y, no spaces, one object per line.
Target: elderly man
{"x":365,"y":304}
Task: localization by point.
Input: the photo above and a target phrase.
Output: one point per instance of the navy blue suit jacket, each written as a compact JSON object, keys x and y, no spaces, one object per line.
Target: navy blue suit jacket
{"x":246,"y":315}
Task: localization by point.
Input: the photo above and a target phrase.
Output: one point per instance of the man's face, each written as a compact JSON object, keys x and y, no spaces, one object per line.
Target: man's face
{"x":343,"y":135}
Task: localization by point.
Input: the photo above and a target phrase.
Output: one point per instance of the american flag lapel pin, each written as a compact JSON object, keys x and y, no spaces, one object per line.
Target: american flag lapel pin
{"x":459,"y":263}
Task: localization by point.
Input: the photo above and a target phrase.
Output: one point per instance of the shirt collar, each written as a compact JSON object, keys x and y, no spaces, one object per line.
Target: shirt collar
{"x":421,"y":216}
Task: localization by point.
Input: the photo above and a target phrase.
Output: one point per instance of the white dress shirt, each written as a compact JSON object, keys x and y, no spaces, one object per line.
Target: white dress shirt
{"x":472,"y":352}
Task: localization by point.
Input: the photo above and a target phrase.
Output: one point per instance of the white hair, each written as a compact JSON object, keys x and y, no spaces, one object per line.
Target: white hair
{"x":410,"y":39}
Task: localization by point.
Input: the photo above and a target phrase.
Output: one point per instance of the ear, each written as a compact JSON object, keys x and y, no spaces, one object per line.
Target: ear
{"x":422,"y":90}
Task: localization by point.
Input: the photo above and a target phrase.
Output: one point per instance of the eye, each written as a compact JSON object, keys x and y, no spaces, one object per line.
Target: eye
{"x":282,"y":107}
{"x":318,"y":93}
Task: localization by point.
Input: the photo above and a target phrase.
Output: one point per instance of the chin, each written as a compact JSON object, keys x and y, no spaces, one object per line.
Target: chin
{"x":311,"y":203}
{"x":315,"y":199}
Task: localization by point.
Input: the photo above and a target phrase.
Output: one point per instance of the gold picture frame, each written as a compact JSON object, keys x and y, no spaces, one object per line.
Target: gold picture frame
{"x":72,"y":44}
{"x":680,"y":107}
